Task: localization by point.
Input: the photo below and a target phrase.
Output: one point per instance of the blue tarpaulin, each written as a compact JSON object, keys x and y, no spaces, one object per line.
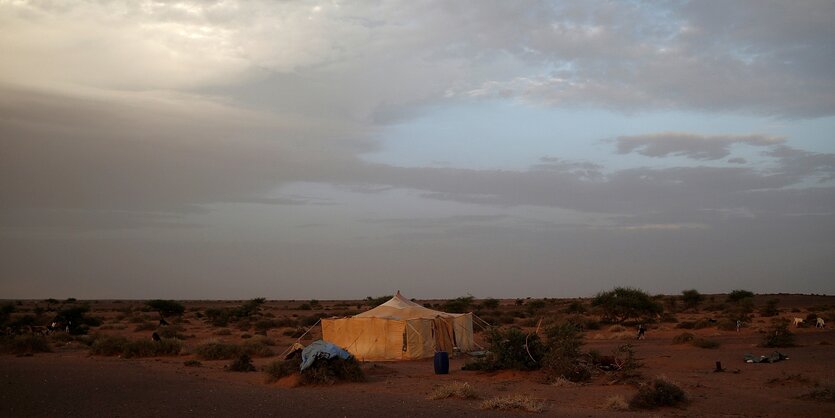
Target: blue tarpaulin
{"x":321,"y":350}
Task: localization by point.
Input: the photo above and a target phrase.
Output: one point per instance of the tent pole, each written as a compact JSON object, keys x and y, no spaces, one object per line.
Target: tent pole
{"x":300,"y":338}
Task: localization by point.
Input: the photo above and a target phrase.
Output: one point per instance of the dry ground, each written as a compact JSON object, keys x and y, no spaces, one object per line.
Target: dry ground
{"x":70,"y":382}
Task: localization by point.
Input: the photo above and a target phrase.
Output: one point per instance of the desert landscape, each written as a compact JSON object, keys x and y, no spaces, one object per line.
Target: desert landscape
{"x":110,"y":365}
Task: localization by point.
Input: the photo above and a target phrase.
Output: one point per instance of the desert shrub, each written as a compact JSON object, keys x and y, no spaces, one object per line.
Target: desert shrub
{"x":623,"y":303}
{"x":259,"y":347}
{"x":510,"y":349}
{"x":811,"y":318}
{"x":575,"y":307}
{"x":562,"y":353}
{"x":668,"y":318}
{"x":514,"y":402}
{"x":456,"y":390}
{"x":617,"y":328}
{"x":192,"y":363}
{"x":24,"y":344}
{"x":458,"y":305}
{"x":286,"y":323}
{"x":686,"y":325}
{"x":691,"y":298}
{"x":770,"y":308}
{"x":217,"y":316}
{"x":332,"y":370}
{"x":726,"y":324}
{"x":246,"y":336}
{"x":294,"y":333}
{"x":223,"y":331}
{"x":660,"y":392}
{"x":683,"y":338}
{"x":778,"y":335}
{"x":243,"y":363}
{"x":249,"y":309}
{"x":166,"y":307}
{"x":738,"y":295}
{"x":616,"y":403}
{"x":490,"y":303}
{"x":172,"y":331}
{"x":281,"y":368}
{"x":145,"y":326}
{"x":309,"y":321}
{"x":111,"y":346}
{"x":822,"y":392}
{"x":705,"y":343}
{"x":76,"y":318}
{"x":265,"y":325}
{"x":215,"y":350}
{"x":535,"y":306}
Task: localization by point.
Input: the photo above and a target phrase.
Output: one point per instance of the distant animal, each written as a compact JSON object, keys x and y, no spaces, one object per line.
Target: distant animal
{"x":798,"y":322}
{"x":162,"y":322}
{"x":820,"y":323}
{"x":155,"y":337}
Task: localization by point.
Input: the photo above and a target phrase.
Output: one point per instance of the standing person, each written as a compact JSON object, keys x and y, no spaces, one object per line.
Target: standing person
{"x":738,"y":325}
{"x":641,"y":331}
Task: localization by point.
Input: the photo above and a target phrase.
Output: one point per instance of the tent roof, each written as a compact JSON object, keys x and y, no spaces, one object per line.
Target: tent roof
{"x":401,"y":308}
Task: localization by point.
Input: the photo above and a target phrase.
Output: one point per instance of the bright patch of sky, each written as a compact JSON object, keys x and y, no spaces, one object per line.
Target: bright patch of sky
{"x":514,"y":136}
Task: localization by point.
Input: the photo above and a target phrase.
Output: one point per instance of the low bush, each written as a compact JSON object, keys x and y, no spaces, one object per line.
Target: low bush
{"x":778,"y":335}
{"x":111,"y":346}
{"x":333,"y":370}
{"x":514,"y":402}
{"x":192,"y":363}
{"x":683,"y":338}
{"x":510,"y":349}
{"x":660,"y":392}
{"x":456,"y":390}
{"x":281,"y":368}
{"x":822,"y":392}
{"x":24,"y":344}
{"x":172,"y":331}
{"x":242,"y":364}
{"x":215,"y":350}
{"x":616,"y":403}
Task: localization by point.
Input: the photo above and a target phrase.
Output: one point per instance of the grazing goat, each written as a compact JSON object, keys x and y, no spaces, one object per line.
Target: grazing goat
{"x":798,"y":322}
{"x":820,"y":323}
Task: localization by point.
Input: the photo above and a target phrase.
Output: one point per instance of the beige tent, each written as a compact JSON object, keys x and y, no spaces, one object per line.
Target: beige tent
{"x":400,"y":330}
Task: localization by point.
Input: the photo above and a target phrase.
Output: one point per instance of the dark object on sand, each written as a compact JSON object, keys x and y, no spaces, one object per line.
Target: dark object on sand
{"x":155,"y":337}
{"x":162,"y":322}
{"x":773,"y":358}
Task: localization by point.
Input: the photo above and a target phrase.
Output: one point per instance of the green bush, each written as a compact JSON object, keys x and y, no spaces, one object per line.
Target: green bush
{"x":458,"y":305}
{"x":659,"y":393}
{"x":510,"y":349}
{"x":770,"y":308}
{"x":623,"y":303}
{"x":562,"y":353}
{"x":490,"y":303}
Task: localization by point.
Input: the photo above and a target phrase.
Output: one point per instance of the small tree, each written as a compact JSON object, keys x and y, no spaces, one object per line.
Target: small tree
{"x":166,"y":307}
{"x":490,"y":303}
{"x":779,"y":335}
{"x":458,"y":305}
{"x":623,"y":303}
{"x":691,"y":298}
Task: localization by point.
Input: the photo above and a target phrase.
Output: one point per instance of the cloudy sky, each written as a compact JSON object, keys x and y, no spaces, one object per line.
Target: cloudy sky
{"x":332,"y":149}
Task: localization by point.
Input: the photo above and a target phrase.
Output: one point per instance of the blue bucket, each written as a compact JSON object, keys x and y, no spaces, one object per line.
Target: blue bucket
{"x":442,"y":362}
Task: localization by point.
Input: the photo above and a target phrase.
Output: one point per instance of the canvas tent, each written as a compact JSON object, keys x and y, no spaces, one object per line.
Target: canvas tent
{"x":400,"y":330}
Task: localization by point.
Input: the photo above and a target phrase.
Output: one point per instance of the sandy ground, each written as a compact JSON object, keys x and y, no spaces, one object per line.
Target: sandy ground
{"x":70,"y":382}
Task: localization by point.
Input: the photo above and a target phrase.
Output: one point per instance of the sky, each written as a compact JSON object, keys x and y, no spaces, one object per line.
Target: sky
{"x":344,"y":149}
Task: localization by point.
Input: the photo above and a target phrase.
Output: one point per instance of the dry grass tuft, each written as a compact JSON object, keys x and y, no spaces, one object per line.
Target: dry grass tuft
{"x":824,"y":392}
{"x":562,"y":382}
{"x":616,"y":403}
{"x":454,"y":390}
{"x":514,"y":402}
